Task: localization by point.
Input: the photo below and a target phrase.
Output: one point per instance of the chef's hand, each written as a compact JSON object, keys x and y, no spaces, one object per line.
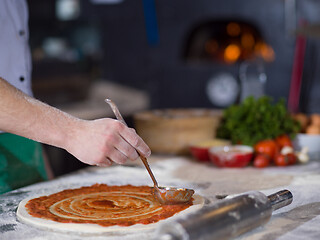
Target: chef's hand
{"x":103,"y":141}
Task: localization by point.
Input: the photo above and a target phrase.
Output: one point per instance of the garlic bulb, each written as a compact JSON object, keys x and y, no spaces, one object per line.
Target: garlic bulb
{"x":303,"y":156}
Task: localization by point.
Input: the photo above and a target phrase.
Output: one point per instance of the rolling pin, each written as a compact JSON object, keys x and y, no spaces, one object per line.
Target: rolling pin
{"x":226,"y":219}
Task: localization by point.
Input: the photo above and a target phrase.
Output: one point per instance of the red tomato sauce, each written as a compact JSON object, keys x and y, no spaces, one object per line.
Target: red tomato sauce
{"x":103,"y":205}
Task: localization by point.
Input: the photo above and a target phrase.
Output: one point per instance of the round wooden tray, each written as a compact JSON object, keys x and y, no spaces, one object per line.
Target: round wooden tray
{"x":171,"y":131}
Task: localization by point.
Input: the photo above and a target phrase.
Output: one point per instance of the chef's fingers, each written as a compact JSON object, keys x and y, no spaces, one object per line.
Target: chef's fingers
{"x":130,"y":135}
{"x":125,"y":148}
{"x":116,"y":156}
{"x":105,"y":163}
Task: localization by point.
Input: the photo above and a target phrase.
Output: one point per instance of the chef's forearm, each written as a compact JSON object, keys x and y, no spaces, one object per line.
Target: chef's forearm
{"x":25,"y":116}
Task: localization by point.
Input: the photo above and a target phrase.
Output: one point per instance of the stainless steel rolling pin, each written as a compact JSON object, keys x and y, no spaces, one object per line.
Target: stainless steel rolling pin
{"x":226,"y":219}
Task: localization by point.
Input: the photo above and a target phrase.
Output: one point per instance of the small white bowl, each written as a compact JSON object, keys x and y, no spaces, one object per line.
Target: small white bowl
{"x":312,"y":142}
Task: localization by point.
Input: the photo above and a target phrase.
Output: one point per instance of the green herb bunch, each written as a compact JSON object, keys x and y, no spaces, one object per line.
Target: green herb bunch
{"x":255,"y":120}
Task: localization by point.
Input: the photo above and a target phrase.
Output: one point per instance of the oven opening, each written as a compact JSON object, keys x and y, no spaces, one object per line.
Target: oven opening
{"x":226,"y":41}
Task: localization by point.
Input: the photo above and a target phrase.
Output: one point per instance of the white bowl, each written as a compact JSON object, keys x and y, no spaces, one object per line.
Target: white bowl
{"x":312,"y":142}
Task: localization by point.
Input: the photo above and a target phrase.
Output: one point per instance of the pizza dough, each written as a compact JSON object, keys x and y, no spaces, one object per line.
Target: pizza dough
{"x":131,"y":203}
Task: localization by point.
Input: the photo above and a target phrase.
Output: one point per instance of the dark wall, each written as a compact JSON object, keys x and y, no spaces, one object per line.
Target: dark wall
{"x":162,"y":71}
{"x":159,"y":68}
{"x":310,"y":99}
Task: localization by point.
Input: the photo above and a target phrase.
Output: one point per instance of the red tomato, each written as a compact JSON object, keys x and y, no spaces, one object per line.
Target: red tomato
{"x":285,"y":160}
{"x":281,"y":160}
{"x":261,"y":161}
{"x":268,"y":147}
{"x":292,"y":159}
{"x":283,"y":141}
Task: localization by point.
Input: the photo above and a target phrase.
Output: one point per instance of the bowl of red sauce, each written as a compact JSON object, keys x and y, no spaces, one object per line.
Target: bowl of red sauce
{"x":236,"y":156}
{"x":200,"y":150}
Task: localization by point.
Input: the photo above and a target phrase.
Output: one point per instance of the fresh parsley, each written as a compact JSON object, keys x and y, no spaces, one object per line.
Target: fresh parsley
{"x":255,"y":120}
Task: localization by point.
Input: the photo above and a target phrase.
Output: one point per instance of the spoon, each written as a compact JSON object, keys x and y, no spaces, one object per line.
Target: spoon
{"x":165,"y":195}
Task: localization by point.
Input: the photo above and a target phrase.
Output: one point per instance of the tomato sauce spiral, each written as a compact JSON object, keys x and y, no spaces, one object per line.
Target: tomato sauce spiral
{"x":103,"y":205}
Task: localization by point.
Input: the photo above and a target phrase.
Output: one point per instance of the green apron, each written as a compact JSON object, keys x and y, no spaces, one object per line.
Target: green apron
{"x":21,"y":162}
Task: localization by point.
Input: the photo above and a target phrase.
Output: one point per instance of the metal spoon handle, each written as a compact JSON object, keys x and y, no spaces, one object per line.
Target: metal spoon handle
{"x":145,"y":163}
{"x":143,"y":158}
{"x":115,"y":110}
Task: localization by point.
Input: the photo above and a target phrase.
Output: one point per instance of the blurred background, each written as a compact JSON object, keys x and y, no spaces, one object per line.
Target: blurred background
{"x":158,"y":54}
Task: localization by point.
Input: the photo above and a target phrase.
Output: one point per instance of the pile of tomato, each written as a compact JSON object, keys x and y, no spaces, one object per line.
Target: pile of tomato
{"x":270,"y":152}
